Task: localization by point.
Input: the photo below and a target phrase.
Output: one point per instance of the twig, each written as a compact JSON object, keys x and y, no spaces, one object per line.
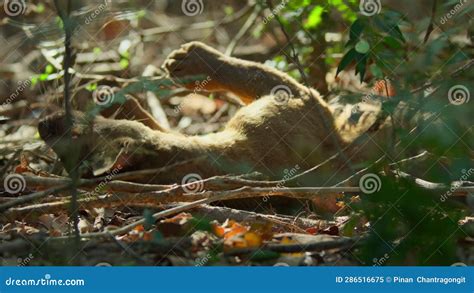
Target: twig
{"x":89,"y":184}
{"x":468,"y":64}
{"x":419,"y":156}
{"x":243,"y":30}
{"x":140,"y":173}
{"x":430,"y":28}
{"x":209,"y":197}
{"x":32,"y":197}
{"x":223,"y":213}
{"x":67,"y":63}
{"x":107,"y":77}
{"x":341,"y":243}
{"x":10,"y":161}
{"x":175,"y":194}
{"x":435,"y":185}
{"x":156,"y":216}
{"x":154,"y":103}
{"x":211,"y":183}
{"x":146,"y":33}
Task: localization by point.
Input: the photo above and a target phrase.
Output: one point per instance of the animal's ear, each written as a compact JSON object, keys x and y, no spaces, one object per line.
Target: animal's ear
{"x":110,"y":160}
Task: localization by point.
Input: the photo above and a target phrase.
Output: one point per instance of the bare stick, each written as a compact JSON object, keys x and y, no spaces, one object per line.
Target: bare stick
{"x":340,"y":243}
{"x":90,"y":184}
{"x":430,"y":28}
{"x":211,"y":183}
{"x":419,"y":156}
{"x":248,"y":24}
{"x":32,"y":197}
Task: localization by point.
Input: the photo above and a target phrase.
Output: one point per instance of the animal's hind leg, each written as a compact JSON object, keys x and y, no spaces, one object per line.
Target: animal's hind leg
{"x":132,"y":110}
{"x":249,"y":80}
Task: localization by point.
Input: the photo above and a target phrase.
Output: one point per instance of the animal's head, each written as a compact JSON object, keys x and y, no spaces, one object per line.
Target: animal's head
{"x":95,"y":144}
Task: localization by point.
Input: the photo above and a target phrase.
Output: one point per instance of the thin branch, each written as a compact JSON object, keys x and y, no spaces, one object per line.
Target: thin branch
{"x":373,"y":165}
{"x":31,"y":197}
{"x":213,"y":196}
{"x":147,"y":33}
{"x":243,"y":30}
{"x":339,"y":243}
{"x":73,"y":172}
{"x":430,"y":28}
{"x":90,"y":184}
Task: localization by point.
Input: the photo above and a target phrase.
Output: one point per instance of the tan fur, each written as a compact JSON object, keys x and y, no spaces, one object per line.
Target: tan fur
{"x":266,"y":136}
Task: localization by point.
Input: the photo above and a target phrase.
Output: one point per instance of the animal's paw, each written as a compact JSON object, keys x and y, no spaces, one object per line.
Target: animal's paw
{"x":193,"y":59}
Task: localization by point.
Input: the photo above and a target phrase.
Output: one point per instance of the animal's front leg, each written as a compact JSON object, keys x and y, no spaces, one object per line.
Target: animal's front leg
{"x":249,"y":80}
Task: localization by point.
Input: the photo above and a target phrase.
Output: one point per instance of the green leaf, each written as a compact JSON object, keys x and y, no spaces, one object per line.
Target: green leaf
{"x":361,"y":65}
{"x":397,"y":33}
{"x":34,"y":80}
{"x":376,"y":71}
{"x":356,"y":29}
{"x":228,"y":10}
{"x":149,"y":220}
{"x":388,"y":26}
{"x":40,"y":8}
{"x":201,"y":224}
{"x":141,"y":14}
{"x":362,"y":47}
{"x":59,"y":22}
{"x":43,"y":77}
{"x":124,"y":63}
{"x":49,"y":69}
{"x":346,"y":60}
{"x":91,"y":87}
{"x":392,"y":42}
{"x":97,"y":50}
{"x":262,"y":254}
{"x":314,"y":18}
